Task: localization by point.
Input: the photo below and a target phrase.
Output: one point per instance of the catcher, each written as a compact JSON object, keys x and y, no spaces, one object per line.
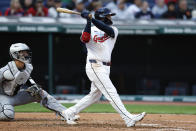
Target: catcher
{"x":18,"y":88}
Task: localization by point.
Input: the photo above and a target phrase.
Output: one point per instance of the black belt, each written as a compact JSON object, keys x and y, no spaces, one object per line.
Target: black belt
{"x":104,"y":63}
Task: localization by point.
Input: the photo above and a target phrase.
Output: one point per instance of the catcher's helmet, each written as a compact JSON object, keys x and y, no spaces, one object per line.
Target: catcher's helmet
{"x":101,"y":14}
{"x":15,"y":50}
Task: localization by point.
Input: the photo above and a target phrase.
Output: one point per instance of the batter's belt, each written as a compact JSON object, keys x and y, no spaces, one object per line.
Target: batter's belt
{"x":104,"y":63}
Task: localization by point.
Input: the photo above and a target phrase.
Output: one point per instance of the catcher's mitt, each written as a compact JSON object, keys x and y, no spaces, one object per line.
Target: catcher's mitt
{"x":35,"y":91}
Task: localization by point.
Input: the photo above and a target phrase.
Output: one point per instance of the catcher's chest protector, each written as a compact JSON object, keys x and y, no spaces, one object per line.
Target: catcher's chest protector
{"x":14,"y":78}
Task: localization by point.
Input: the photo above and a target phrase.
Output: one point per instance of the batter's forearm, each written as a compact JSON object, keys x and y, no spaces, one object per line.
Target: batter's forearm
{"x":86,"y":35}
{"x":104,"y":27}
{"x":88,"y":27}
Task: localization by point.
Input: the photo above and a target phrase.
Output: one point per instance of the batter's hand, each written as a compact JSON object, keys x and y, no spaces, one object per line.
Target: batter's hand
{"x":86,"y":14}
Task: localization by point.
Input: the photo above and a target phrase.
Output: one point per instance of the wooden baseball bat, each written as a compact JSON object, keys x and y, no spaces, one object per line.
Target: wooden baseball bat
{"x":64,"y":10}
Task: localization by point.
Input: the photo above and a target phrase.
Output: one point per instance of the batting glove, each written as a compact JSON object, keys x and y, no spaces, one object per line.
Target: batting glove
{"x":86,"y":14}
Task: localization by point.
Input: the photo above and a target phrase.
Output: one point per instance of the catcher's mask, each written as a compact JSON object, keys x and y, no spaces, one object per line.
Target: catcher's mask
{"x":102,"y":13}
{"x":21,"y":52}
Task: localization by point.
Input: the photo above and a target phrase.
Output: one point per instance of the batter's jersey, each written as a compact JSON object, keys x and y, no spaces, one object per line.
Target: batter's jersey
{"x":101,"y":45}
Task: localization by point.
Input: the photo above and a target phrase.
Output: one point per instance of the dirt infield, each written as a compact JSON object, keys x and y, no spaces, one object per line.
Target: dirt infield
{"x":99,"y":122}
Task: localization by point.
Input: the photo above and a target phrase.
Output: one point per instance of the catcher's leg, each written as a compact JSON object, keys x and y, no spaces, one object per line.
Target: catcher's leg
{"x":94,"y":95}
{"x":6,"y":109}
{"x":51,"y":103}
{"x":48,"y":101}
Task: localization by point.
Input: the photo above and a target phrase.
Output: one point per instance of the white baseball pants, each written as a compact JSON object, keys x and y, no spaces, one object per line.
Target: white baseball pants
{"x":101,"y":84}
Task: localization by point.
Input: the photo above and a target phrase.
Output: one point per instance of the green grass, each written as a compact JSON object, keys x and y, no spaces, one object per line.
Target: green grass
{"x":107,"y":108}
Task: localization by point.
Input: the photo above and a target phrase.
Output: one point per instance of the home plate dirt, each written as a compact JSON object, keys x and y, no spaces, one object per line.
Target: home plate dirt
{"x":99,"y":122}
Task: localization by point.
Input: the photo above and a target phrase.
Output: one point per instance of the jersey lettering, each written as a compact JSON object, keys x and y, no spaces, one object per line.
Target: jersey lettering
{"x":100,"y":39}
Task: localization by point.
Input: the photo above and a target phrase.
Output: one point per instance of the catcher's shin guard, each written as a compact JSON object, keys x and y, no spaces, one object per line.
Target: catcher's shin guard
{"x":51,"y":103}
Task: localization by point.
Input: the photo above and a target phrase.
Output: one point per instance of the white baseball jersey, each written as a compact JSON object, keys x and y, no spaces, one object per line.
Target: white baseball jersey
{"x":101,"y":45}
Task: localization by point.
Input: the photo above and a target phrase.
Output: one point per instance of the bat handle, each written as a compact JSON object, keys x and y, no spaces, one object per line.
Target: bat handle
{"x":90,"y":16}
{"x":77,"y":13}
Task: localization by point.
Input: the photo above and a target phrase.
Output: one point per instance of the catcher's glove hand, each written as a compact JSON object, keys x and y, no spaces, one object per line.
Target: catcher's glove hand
{"x":35,"y":91}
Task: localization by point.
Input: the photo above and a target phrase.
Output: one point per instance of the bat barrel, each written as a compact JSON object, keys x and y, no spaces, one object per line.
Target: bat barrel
{"x":64,"y":10}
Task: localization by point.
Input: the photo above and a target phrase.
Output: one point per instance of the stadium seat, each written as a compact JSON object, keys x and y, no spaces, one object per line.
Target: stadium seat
{"x":192,"y":4}
{"x":4,"y":4}
{"x":151,"y":3}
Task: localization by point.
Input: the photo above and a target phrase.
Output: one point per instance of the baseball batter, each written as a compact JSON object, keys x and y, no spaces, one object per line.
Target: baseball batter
{"x":18,"y":88}
{"x":100,"y":40}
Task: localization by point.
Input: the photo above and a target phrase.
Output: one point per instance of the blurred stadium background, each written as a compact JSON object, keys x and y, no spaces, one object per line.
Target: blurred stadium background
{"x":154,"y":57}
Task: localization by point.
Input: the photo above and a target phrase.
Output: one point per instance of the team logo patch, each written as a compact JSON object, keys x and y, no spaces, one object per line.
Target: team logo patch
{"x":100,"y":39}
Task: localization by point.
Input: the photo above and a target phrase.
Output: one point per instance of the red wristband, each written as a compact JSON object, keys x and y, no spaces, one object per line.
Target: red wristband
{"x":86,"y":37}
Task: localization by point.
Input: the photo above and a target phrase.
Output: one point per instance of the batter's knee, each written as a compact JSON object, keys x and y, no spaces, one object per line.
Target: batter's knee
{"x":99,"y":94}
{"x":6,"y":112}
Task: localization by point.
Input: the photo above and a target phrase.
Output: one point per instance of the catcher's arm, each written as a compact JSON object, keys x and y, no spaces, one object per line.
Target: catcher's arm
{"x":33,"y":88}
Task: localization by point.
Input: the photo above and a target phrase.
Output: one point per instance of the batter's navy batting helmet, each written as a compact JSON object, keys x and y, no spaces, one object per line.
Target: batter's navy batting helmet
{"x":101,"y":14}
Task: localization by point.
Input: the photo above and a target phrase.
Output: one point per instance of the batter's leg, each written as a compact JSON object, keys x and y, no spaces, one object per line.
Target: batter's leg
{"x":104,"y":84}
{"x":94,"y":95}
